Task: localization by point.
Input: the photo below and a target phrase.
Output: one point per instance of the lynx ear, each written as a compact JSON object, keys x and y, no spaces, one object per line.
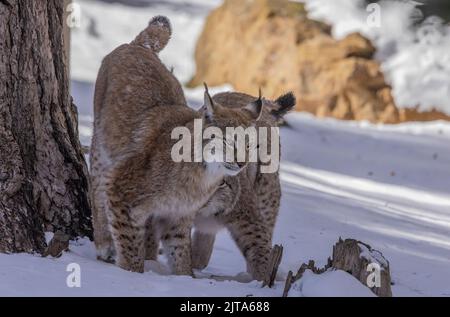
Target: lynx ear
{"x":209,"y":106}
{"x":284,"y":103}
{"x":255,"y":107}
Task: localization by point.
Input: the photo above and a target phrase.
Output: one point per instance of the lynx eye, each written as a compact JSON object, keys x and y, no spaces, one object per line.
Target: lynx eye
{"x":223,"y":185}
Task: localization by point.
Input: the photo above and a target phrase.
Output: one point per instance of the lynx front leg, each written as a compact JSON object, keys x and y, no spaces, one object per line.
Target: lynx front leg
{"x":254,"y":242}
{"x":268,"y":193}
{"x":176,"y":241}
{"x":129,"y":238}
{"x":202,"y":248}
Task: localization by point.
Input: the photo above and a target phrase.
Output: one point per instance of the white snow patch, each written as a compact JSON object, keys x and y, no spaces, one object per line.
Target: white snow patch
{"x":387,"y":186}
{"x":48,"y":236}
{"x":415,"y":60}
{"x":106,"y":26}
{"x":333,"y":283}
{"x":373,"y":256}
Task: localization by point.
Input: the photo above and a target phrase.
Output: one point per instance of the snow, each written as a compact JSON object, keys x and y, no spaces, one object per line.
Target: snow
{"x":386,"y":185}
{"x":329,"y":284}
{"x":373,"y":256}
{"x":103,"y":27}
{"x":415,"y":59}
{"x":26,"y":275}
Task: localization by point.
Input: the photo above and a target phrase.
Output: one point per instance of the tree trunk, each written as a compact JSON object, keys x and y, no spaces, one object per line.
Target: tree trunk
{"x":43,"y":174}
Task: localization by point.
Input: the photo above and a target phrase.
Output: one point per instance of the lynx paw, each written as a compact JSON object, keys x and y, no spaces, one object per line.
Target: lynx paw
{"x":106,"y":254}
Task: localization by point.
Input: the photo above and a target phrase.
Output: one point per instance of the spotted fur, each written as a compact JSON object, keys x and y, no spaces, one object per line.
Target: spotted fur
{"x":138,"y":102}
{"x":246,"y":205}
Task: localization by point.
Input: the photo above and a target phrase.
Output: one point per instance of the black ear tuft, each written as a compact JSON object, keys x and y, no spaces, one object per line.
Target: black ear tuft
{"x":286,"y":103}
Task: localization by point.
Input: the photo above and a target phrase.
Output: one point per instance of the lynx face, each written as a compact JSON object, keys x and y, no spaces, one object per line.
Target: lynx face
{"x":230,"y":148}
{"x":224,"y":199}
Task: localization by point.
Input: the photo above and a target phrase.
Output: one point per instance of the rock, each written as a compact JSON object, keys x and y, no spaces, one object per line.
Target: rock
{"x":251,"y":44}
{"x":272,"y":44}
{"x":412,"y":114}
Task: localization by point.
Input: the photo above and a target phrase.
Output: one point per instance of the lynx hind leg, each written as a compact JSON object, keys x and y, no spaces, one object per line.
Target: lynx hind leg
{"x":102,"y":232}
{"x":253,"y":239}
{"x":129,"y":237}
{"x":176,"y":241}
{"x":202,"y":248}
{"x":152,"y":238}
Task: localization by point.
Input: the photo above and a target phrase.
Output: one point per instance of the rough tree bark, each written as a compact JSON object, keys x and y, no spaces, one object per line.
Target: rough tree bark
{"x":43,"y":174}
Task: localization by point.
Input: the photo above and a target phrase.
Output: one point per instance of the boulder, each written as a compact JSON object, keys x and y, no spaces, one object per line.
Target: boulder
{"x":412,"y":114}
{"x":273,"y":44}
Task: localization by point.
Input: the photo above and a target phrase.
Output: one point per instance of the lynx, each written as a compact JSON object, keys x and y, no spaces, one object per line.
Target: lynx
{"x":247,"y":205}
{"x":138,"y":102}
{"x":251,"y":221}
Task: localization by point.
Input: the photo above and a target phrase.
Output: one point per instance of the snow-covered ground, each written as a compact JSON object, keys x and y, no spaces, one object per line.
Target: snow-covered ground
{"x":388,"y":186}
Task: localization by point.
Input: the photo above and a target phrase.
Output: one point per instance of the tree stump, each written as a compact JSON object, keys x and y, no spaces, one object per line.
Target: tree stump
{"x":364,"y":263}
{"x":291,"y":278}
{"x":272,"y":269}
{"x":367,"y":265}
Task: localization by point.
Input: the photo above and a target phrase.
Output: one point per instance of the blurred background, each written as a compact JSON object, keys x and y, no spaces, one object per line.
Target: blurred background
{"x":382,"y":62}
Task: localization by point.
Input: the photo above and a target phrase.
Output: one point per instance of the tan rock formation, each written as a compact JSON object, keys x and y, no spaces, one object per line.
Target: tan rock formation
{"x":272,"y":44}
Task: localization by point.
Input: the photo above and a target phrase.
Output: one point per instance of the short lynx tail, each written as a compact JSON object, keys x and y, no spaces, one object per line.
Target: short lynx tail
{"x":156,"y":35}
